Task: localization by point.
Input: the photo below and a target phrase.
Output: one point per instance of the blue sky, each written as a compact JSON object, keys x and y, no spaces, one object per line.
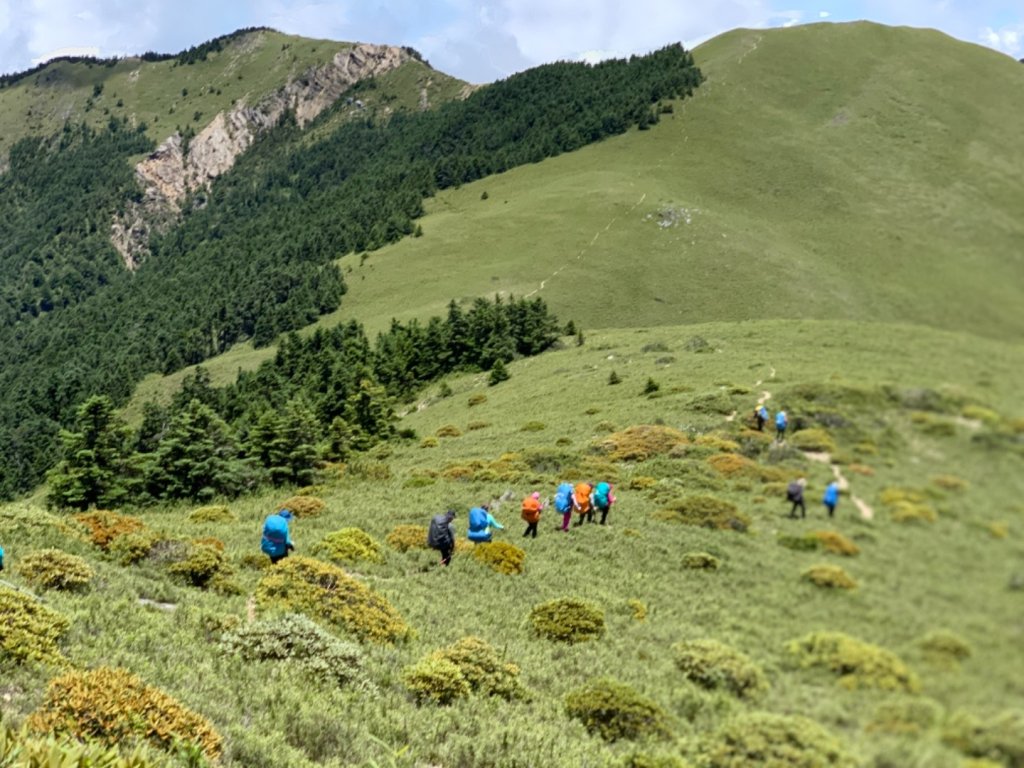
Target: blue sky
{"x":477,"y":40}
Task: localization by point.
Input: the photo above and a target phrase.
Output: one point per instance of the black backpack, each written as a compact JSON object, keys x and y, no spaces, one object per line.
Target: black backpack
{"x":793,"y":492}
{"x":438,"y":534}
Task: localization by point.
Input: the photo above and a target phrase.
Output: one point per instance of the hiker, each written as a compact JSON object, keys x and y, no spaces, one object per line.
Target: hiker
{"x":831,"y":497}
{"x":581,"y":502}
{"x":602,"y":499}
{"x":531,"y":513}
{"x":480,"y":523}
{"x":1,"y":558}
{"x":441,"y":535}
{"x":795,"y":494}
{"x":761,"y":416}
{"x":277,"y":542}
{"x":781,"y":422}
{"x":563,"y":503}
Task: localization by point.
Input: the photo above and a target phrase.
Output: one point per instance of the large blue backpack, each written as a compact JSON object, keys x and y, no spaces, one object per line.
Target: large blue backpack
{"x":601,"y":493}
{"x":477,"y":519}
{"x":780,"y":419}
{"x":563,"y":498}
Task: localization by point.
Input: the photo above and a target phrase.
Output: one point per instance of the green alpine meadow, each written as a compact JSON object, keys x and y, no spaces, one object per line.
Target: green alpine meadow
{"x":271,"y":273}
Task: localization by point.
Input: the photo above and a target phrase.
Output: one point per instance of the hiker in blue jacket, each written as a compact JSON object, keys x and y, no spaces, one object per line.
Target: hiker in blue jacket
{"x":480,"y":523}
{"x":563,"y":503}
{"x":831,"y":497}
{"x":1,"y":558}
{"x":781,"y":422}
{"x":277,"y":541}
{"x":761,"y":416}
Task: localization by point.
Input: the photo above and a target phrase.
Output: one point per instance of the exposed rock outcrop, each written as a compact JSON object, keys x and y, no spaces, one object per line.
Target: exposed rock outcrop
{"x":174,"y":171}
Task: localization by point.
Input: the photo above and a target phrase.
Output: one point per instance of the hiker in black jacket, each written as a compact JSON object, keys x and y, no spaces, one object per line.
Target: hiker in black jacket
{"x":795,"y":493}
{"x":441,"y":535}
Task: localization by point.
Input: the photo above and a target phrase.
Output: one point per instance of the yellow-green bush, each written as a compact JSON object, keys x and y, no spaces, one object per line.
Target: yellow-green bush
{"x":814,"y":439}
{"x":406,"y":537}
{"x":712,"y":664}
{"x":648,"y":760}
{"x":114,"y":706}
{"x":135,"y":547}
{"x":908,"y":505}
{"x":778,"y":741}
{"x":435,"y":680}
{"x":477,"y":663}
{"x":478,"y":399}
{"x":906,"y":717}
{"x":214,"y":513}
{"x":717,"y":443}
{"x":448,"y":430}
{"x":829,"y":577}
{"x":637,"y":609}
{"x":54,"y":569}
{"x":23,"y":750}
{"x":304,"y":506}
{"x":254,"y":562}
{"x":614,"y":711}
{"x":642,"y":482}
{"x":30,"y":629}
{"x":808,"y":542}
{"x":858,"y":664}
{"x":567,"y":620}
{"x":501,"y":556}
{"x":1000,"y":738}
{"x":103,"y":526}
{"x":429,"y":442}
{"x":533,"y":426}
{"x":475,"y":425}
{"x":836,"y":543}
{"x":201,"y":566}
{"x":943,"y":645}
{"x":365,"y":469}
{"x":641,"y":442}
{"x":325,"y":592}
{"x":701,"y":561}
{"x":982,"y":414}
{"x":950,"y":482}
{"x":731,"y":464}
{"x":705,"y":512}
{"x":350,"y":545}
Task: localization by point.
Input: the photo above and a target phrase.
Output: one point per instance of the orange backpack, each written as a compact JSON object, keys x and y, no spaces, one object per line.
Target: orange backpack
{"x":582,"y":495}
{"x":531,"y":509}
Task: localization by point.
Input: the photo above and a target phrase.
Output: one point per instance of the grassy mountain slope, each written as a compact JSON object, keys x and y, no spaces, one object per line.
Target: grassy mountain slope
{"x":166,"y":95}
{"x":851,"y":171}
{"x":548,"y":422}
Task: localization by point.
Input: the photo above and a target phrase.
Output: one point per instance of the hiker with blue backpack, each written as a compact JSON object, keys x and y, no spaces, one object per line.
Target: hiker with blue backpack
{"x":481,"y":521}
{"x":277,"y":541}
{"x":761,"y":416}
{"x":1,"y":558}
{"x":602,"y":499}
{"x":781,"y":422}
{"x":831,"y":497}
{"x":563,"y":504}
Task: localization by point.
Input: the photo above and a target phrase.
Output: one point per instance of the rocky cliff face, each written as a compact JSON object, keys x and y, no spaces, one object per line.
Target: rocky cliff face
{"x":173,"y":171}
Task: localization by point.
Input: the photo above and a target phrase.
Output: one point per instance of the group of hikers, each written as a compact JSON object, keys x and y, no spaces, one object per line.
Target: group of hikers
{"x":585,"y":500}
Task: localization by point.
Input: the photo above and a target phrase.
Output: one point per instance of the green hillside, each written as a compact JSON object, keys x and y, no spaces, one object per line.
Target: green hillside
{"x":827,"y":171}
{"x":921,"y":424}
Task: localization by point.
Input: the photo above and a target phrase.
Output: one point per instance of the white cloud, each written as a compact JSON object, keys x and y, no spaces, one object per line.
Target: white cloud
{"x":823,"y":14}
{"x":84,"y":50}
{"x":1008,"y":39}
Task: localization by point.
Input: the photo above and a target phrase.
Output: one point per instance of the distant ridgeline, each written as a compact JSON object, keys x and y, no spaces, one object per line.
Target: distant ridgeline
{"x":255,"y":255}
{"x":319,"y":398}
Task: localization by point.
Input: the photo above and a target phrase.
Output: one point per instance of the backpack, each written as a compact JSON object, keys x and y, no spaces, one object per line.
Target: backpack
{"x":477,"y":519}
{"x":780,"y":420}
{"x":563,"y":498}
{"x":793,"y":491}
{"x":438,"y":534}
{"x":531,"y":509}
{"x":601,"y":493}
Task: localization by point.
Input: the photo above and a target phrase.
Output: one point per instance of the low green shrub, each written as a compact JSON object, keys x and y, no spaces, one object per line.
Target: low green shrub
{"x":22,"y":749}
{"x":296,"y":639}
{"x":501,"y":556}
{"x":836,"y":543}
{"x":448,"y":430}
{"x":813,"y":439}
{"x":116,"y":707}
{"x":429,"y":442}
{"x":950,"y":483}
{"x":325,"y":592}
{"x":135,"y":547}
{"x":533,"y":426}
{"x":406,"y":537}
{"x":54,"y":569}
{"x":615,"y":711}
{"x":251,"y":561}
{"x":905,"y":717}
{"x":31,"y":631}
{"x":647,"y":760}
{"x":706,"y":512}
{"x":805,"y":543}
{"x":943,"y":645}
{"x":857,"y":664}
{"x":637,"y":609}
{"x":216,"y":513}
{"x":368,"y":469}
{"x":778,"y":741}
{"x":701,"y":561}
{"x":1000,"y":738}
{"x":350,"y":545}
{"x":829,"y":577}
{"x":201,"y":566}
{"x":712,"y":664}
{"x":478,"y":399}
{"x":642,"y":442}
{"x":473,"y":426}
{"x":982,"y":414}
{"x":435,"y":680}
{"x":304,"y":506}
{"x":567,"y":620}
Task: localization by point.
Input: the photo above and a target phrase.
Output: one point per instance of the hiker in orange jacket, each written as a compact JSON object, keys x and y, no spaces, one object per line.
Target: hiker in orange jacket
{"x":581,"y":502}
{"x":531,"y":513}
